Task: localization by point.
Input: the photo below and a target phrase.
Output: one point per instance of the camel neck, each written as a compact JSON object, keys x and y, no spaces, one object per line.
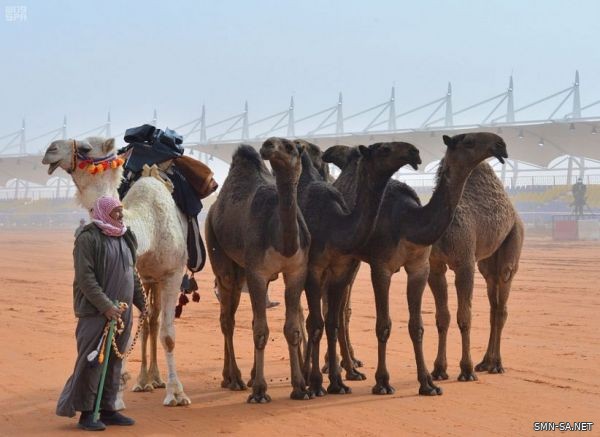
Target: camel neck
{"x":428,"y":223}
{"x":369,"y":189}
{"x":288,"y":212}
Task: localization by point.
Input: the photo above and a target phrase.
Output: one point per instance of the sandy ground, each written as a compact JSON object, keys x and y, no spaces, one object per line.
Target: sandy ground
{"x":551,"y":351}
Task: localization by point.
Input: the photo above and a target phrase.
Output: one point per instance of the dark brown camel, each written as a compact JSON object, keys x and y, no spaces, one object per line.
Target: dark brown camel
{"x":403,"y":234}
{"x":254,"y":230}
{"x":486,"y":229}
{"x":334,"y":241}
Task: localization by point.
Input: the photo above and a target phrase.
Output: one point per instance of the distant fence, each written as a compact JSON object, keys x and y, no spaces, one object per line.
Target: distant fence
{"x":41,"y":220}
{"x":571,"y":227}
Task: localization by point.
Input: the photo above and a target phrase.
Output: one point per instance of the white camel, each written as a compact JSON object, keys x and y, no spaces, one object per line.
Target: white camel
{"x":150,"y":212}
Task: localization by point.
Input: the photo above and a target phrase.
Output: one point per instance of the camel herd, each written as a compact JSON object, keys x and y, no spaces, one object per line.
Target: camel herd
{"x":294,"y":220}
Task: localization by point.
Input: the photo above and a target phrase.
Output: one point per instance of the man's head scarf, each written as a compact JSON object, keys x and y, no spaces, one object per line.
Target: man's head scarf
{"x":101,"y":216}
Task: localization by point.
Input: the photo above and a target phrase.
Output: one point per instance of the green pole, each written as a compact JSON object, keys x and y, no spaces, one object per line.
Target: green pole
{"x":111,"y":332}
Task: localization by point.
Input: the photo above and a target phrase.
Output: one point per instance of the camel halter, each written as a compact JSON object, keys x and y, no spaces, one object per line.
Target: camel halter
{"x":94,"y":165}
{"x":74,"y":157}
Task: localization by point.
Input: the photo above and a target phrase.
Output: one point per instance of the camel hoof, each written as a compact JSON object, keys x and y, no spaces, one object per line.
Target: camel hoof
{"x":143,"y":388}
{"x":318,"y":391}
{"x":490,"y":367}
{"x":439,"y":374}
{"x":182,"y":399}
{"x":158,"y":384}
{"x":301,"y":395}
{"x":430,"y":390}
{"x":467,"y":376}
{"x":355,"y":375}
{"x":338,"y":389}
{"x":119,"y":405}
{"x":259,"y":398}
{"x":496,"y":369}
{"x":382,"y":388}
{"x":170,"y":401}
{"x":233,"y":384}
{"x":356,"y":362}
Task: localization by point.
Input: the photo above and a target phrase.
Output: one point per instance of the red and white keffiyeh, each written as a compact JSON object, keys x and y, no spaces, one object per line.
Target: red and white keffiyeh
{"x":101,"y":216}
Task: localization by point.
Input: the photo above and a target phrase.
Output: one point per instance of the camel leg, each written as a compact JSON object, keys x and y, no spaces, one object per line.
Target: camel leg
{"x":294,"y":284}
{"x":119,"y":401}
{"x":488,"y":268}
{"x":499,"y":271}
{"x":347,"y":314}
{"x":169,"y":293}
{"x":143,"y":382}
{"x":336,"y":291}
{"x":464,"y":290}
{"x":154,"y":377}
{"x":381,"y":278}
{"x":230,"y":292}
{"x":257,"y":287}
{"x":348,"y":363}
{"x":324,"y":298}
{"x":418,"y":272}
{"x":142,"y":379}
{"x":439,"y":287}
{"x":314,"y":327}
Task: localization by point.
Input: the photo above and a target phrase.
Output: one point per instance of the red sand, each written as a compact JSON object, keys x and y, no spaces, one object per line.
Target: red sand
{"x":551,"y":351}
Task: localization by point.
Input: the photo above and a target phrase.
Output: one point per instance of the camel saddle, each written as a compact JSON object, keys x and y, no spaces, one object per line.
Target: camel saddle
{"x":161,"y":155}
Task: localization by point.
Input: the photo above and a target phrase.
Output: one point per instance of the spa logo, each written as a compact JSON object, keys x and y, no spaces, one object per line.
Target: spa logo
{"x":15,"y":13}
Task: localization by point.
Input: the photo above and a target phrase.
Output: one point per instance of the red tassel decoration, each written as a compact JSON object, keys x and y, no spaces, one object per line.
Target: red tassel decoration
{"x":178,"y":310}
{"x":196,"y":296}
{"x":183,"y":299}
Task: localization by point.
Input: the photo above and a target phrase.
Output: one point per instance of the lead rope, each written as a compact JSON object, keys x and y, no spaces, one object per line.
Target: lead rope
{"x":121,"y":327}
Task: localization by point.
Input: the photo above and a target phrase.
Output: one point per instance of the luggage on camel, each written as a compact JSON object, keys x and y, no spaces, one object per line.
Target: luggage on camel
{"x":158,"y":153}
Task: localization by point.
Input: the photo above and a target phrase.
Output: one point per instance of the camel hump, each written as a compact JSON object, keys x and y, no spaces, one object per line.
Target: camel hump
{"x":247,"y":153}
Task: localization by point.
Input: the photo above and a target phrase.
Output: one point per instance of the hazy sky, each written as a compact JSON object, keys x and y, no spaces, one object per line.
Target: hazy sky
{"x":82,"y":58}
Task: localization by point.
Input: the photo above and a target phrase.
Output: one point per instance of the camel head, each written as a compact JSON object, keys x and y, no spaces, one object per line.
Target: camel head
{"x":284,"y":156}
{"x":76,"y":156}
{"x":341,"y":156}
{"x":66,"y":153}
{"x":316,"y":156}
{"x":471,"y":149}
{"x":387,"y":158}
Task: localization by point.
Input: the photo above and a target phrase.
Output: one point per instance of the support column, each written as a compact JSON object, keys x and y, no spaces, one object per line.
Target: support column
{"x":576,"y":100}
{"x":64,"y":128}
{"x":510,"y":105}
{"x":107,"y":127}
{"x":392,"y":113}
{"x":449,"y":119}
{"x":245,"y":130}
{"x":203,"y":126}
{"x":23,"y":142}
{"x":570,"y":171}
{"x":581,"y":162}
{"x":515,"y":168}
{"x":155,"y":119}
{"x":339,"y":126}
{"x":291,"y":128}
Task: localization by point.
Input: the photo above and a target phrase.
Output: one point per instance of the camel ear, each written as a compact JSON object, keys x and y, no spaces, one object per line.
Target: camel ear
{"x":108,"y":146}
{"x":337,"y":155}
{"x":448,"y":142}
{"x":300,"y":147}
{"x":364,"y":151}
